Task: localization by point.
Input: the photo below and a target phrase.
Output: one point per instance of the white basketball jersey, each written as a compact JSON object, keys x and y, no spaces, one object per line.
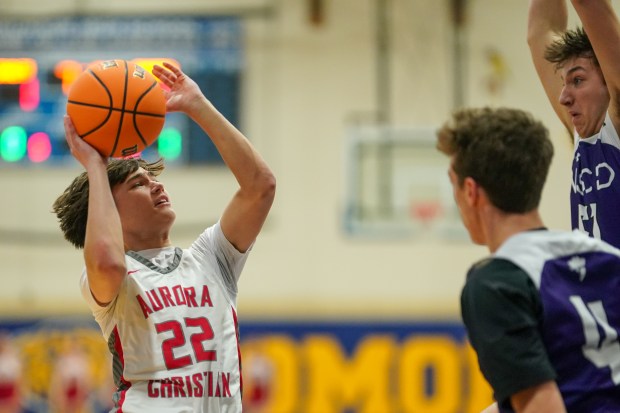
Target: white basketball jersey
{"x":172,"y":330}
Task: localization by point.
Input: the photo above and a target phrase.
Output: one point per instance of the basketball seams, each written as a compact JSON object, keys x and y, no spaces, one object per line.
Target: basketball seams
{"x":124,"y":103}
{"x":135,"y":112}
{"x":123,"y":117}
{"x":109,"y":108}
{"x":112,"y":110}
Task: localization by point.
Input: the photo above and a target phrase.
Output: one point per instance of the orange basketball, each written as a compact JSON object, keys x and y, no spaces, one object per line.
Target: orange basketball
{"x":117,"y":107}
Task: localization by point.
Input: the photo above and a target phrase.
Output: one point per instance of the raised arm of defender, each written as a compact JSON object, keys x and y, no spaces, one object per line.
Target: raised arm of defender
{"x":547,"y":19}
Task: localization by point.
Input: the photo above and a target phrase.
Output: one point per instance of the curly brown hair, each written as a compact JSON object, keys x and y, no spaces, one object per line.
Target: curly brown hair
{"x":71,"y":208}
{"x":572,"y":43}
{"x":506,"y":151}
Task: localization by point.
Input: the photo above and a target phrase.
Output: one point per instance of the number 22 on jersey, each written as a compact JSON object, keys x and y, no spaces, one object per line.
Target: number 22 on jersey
{"x":203,"y":333}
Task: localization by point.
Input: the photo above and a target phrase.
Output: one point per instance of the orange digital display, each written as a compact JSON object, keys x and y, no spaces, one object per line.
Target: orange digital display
{"x":148,"y":63}
{"x":40,"y":59}
{"x":21,"y":73}
{"x":68,"y":70}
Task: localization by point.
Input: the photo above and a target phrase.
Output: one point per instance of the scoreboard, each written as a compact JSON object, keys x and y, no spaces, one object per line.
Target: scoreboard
{"x":39,"y":60}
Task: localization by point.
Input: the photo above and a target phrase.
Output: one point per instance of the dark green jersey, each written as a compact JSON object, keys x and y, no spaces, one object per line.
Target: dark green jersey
{"x":503,"y":313}
{"x":546,"y":306}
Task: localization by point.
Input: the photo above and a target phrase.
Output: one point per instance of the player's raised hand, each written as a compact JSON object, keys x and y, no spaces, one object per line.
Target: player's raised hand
{"x":80,"y":149}
{"x":183,"y":95}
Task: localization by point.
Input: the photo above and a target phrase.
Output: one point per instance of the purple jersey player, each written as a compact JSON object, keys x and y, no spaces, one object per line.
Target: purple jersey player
{"x":581,"y":77}
{"x":595,"y":192}
{"x":543,"y":311}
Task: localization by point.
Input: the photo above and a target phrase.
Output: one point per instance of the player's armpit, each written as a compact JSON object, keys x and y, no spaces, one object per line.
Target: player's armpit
{"x":544,"y":397}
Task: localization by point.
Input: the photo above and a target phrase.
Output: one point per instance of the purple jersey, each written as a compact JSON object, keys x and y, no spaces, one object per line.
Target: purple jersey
{"x":578,"y":279}
{"x":595,"y":190}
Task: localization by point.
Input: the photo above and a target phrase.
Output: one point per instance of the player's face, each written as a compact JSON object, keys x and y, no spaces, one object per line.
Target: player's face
{"x":466,"y":202}
{"x":144,"y":207}
{"x":584,"y":95}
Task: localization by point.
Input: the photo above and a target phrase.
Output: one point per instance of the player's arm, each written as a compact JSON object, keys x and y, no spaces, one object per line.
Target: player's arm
{"x":601,"y":24}
{"x":104,"y":252}
{"x":245,"y":214}
{"x":547,"y":19}
{"x":502,"y":312}
{"x":544,"y":397}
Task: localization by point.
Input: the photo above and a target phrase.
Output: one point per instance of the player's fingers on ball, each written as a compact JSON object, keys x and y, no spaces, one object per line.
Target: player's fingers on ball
{"x":158,"y":71}
{"x":69,"y":128}
{"x":171,"y":67}
{"x":177,"y":72}
{"x":162,"y":69}
{"x":166,"y":77}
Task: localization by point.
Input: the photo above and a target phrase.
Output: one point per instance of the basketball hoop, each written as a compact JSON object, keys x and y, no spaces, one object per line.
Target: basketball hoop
{"x":425,"y":211}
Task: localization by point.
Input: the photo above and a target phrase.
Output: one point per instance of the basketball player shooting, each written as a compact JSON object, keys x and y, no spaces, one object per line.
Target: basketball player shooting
{"x":168,"y":314}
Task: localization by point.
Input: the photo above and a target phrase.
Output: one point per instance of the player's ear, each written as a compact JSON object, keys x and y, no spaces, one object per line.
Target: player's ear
{"x":471,"y":190}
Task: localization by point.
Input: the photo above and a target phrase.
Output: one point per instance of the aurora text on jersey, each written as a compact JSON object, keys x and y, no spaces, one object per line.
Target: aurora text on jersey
{"x":164,"y":297}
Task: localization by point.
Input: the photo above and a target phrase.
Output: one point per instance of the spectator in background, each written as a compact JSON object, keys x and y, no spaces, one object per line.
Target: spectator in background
{"x":11,"y":377}
{"x":70,"y":387}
